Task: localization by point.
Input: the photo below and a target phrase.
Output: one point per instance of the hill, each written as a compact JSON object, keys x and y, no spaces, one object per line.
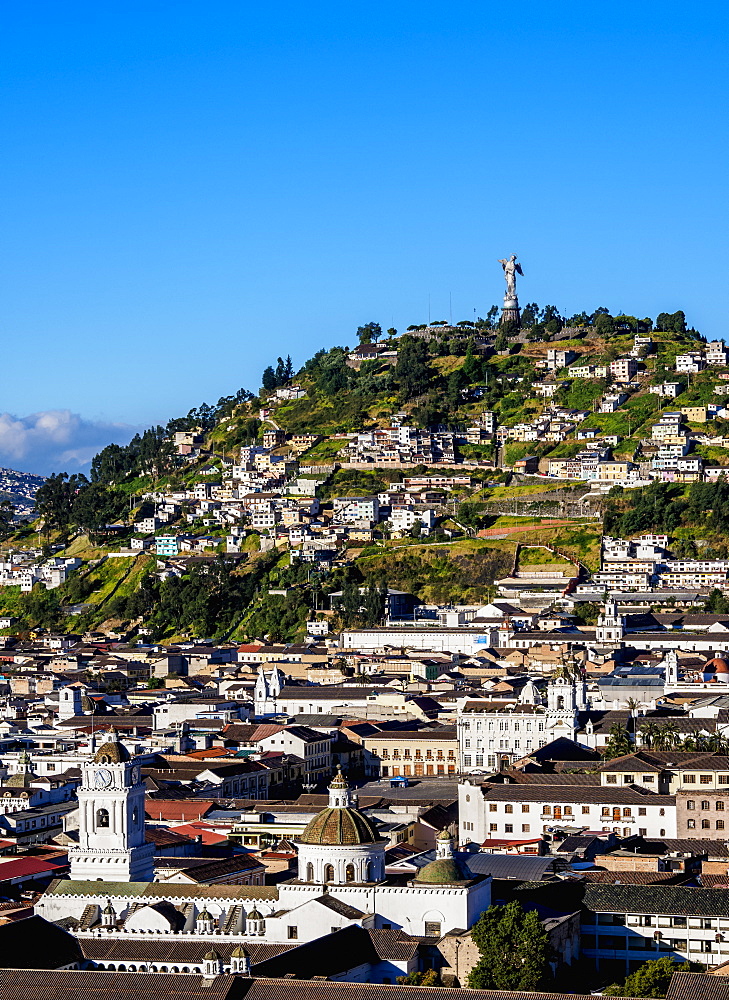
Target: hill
{"x":20,"y":489}
{"x":416,"y":461}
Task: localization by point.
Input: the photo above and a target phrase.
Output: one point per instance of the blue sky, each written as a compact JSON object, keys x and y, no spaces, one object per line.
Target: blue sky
{"x":190,"y":190}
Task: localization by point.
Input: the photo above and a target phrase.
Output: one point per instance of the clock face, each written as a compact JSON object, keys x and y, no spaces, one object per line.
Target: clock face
{"x":102,"y":778}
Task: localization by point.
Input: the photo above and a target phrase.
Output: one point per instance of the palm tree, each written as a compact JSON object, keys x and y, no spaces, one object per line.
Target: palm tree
{"x":619,"y":743}
{"x":648,"y":734}
{"x":666,"y":737}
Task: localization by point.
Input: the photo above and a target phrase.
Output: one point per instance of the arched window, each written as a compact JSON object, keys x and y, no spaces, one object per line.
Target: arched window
{"x":310,"y":872}
{"x":328,"y":873}
{"x":102,"y":817}
{"x":705,"y":824}
{"x":720,"y":805}
{"x":560,"y":701}
{"x":349,"y":873}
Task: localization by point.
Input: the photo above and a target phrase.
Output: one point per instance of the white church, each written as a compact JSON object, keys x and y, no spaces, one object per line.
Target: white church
{"x":492,"y":736}
{"x":341,"y":879}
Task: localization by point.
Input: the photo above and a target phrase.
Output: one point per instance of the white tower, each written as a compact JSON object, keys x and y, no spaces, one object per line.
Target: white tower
{"x":565,"y":697}
{"x":111,"y":843}
{"x":610,"y":625}
{"x":268,"y":688}
{"x":670,"y":664}
{"x":69,"y":703}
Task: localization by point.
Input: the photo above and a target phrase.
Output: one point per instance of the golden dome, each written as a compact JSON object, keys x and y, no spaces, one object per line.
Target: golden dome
{"x":340,"y":826}
{"x":113,"y":751}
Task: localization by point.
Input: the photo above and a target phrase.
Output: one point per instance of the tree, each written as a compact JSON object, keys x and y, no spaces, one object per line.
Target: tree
{"x":651,"y":979}
{"x":619,"y":743}
{"x":7,"y":513}
{"x":55,"y":498}
{"x":370,"y":333}
{"x":412,"y":371}
{"x":268,"y":380}
{"x":491,"y":316}
{"x":427,"y":978}
{"x":514,"y":950}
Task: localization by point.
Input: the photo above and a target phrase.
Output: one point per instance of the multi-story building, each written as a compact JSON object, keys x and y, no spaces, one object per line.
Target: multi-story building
{"x":625,"y":925}
{"x":391,"y":753}
{"x":167,"y":545}
{"x":690,"y":363}
{"x":623,"y":369}
{"x":356,"y":509}
{"x":490,"y":735}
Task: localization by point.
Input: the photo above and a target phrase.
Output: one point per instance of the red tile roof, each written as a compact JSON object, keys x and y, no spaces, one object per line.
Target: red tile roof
{"x":177,"y":810}
{"x":208,"y":834}
{"x":26,"y":868}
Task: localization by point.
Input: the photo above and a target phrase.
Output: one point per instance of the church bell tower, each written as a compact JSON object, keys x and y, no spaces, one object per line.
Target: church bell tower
{"x":111,"y":842}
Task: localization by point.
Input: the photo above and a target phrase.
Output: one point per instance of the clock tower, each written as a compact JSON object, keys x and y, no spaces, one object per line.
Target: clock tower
{"x":111,"y":842}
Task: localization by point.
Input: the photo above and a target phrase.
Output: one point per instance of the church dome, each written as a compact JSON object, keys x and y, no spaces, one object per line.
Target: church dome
{"x":339,"y":826}
{"x":442,"y":871}
{"x":212,"y":956}
{"x":254,"y":915}
{"x":113,"y":751}
{"x":24,"y":775}
{"x":239,"y":952}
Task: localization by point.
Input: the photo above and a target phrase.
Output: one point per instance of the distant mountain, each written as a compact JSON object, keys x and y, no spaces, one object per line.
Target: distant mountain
{"x":20,"y":488}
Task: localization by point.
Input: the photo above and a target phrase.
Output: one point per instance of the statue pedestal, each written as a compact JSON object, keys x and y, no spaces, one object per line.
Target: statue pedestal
{"x":510,"y":313}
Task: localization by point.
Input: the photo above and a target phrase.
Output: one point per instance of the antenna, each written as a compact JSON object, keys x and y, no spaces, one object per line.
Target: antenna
{"x":450,"y":306}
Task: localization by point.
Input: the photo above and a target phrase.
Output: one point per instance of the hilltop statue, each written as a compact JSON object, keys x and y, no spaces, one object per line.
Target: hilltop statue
{"x":511,"y":269}
{"x":510,"y":313}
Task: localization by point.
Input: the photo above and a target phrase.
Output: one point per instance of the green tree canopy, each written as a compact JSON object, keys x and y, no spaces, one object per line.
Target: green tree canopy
{"x":650,"y":980}
{"x":514,"y":950}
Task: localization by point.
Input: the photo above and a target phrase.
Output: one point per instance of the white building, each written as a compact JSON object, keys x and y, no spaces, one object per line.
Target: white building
{"x":489,"y":737}
{"x":111,"y":841}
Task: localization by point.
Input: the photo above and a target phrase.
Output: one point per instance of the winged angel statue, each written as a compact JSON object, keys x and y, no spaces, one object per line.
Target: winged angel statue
{"x":511,"y":269}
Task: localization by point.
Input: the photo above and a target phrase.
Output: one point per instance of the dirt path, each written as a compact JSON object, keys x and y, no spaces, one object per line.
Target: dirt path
{"x":513,"y":529}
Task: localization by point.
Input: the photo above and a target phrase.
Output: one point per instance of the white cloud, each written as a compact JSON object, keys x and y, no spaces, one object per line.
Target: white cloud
{"x":55,"y":441}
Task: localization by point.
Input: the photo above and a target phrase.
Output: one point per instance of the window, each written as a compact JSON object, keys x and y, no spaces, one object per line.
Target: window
{"x":493,"y":827}
{"x":492,"y":807}
{"x":467,"y":761}
{"x":432,"y":928}
{"x":310,"y":872}
{"x":705,"y":824}
{"x":524,"y":808}
{"x":705,"y":779}
{"x":328,"y":874}
{"x":585,"y":810}
{"x":612,"y":779}
{"x":628,"y":779}
{"x":649,"y":778}
{"x":349,"y":873}
{"x":525,"y":828}
{"x":508,"y":808}
{"x":705,"y":804}
{"x":689,"y":779}
{"x":293,"y":932}
{"x":102,"y":818}
{"x":719,"y":805}
{"x":690,"y":804}
{"x":508,"y":828}
{"x":691,"y":824}
{"x":641,"y":811}
{"x":720,"y":824}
